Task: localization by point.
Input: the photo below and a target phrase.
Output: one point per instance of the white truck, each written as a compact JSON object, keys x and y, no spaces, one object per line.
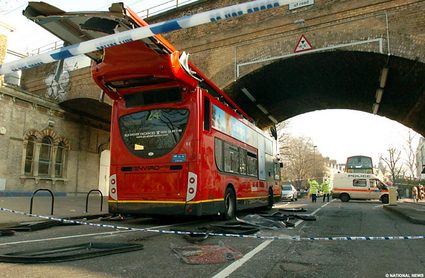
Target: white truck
{"x":359,"y":186}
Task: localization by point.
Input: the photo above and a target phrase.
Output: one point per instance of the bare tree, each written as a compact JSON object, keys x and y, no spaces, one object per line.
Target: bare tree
{"x":301,"y":160}
{"x":382,"y":166}
{"x":411,"y":154}
{"x":283,"y":136}
{"x":393,"y":162}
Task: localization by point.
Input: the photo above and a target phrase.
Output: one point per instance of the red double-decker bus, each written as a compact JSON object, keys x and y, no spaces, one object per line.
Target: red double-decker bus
{"x":179,"y":145}
{"x":359,"y":164}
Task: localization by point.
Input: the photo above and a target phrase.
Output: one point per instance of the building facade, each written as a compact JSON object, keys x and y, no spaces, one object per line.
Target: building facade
{"x":43,"y":144}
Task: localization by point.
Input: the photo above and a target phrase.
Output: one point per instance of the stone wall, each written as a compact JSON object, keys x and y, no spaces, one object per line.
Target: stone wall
{"x":3,"y":48}
{"x":21,"y":112}
{"x":76,"y":83}
{"x":217,"y":48}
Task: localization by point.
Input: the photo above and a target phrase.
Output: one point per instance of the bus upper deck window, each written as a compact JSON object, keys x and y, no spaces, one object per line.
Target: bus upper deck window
{"x":153,"y":97}
{"x":207,"y":113}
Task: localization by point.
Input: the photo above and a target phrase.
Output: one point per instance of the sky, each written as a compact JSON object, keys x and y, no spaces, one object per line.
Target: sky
{"x":334,"y":132}
{"x":11,"y":13}
{"x":339,"y":134}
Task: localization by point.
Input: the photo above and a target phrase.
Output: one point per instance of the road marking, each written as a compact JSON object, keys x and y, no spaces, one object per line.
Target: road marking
{"x":279,"y":205}
{"x":59,"y":238}
{"x":235,"y":265}
{"x":83,"y":235}
{"x":313,"y":213}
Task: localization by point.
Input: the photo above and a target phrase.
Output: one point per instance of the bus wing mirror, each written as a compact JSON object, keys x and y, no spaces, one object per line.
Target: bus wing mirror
{"x":281,"y":165}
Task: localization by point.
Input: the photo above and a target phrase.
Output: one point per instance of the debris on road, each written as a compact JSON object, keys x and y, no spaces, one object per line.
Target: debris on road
{"x":206,"y":254}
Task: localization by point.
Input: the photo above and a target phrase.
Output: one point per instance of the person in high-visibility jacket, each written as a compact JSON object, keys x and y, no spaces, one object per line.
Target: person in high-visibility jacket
{"x":326,"y":188}
{"x":314,"y":187}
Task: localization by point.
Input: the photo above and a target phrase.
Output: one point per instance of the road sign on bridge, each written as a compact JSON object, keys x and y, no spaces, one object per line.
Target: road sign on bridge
{"x":303,"y":44}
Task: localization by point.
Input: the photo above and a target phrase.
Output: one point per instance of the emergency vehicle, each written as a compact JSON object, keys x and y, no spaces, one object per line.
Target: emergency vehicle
{"x":359,"y":186}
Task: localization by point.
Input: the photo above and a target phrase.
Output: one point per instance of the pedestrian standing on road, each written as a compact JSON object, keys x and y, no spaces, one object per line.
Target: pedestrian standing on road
{"x":314,"y":187}
{"x":415,"y":194}
{"x":326,"y":188}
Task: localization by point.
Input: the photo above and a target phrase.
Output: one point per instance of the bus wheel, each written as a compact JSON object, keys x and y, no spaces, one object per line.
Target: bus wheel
{"x":344,"y":197}
{"x":229,"y":204}
{"x":384,"y":199}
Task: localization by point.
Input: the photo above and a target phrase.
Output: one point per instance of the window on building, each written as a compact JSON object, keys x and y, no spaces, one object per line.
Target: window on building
{"x":60,"y":155}
{"x":45,"y":156}
{"x":29,"y":155}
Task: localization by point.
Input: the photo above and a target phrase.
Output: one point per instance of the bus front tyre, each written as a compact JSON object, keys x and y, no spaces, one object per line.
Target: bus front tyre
{"x":229,"y":204}
{"x":344,"y":197}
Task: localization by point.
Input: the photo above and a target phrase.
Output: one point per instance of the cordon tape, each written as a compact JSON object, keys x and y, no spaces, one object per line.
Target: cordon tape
{"x":256,"y":236}
{"x":142,"y":33}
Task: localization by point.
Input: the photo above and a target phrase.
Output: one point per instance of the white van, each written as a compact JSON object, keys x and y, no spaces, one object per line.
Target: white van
{"x":359,"y":186}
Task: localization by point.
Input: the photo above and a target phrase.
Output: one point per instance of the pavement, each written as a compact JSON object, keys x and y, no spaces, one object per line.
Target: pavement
{"x":63,"y":207}
{"x":75,"y":206}
{"x":410,"y":210}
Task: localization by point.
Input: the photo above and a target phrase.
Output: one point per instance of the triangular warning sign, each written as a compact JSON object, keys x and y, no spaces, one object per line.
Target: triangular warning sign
{"x":303,"y":44}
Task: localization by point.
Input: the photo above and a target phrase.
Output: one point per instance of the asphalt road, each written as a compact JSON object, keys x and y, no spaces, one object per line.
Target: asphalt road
{"x":261,"y":258}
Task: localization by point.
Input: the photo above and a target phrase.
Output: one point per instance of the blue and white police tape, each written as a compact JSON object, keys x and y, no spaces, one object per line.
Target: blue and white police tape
{"x":141,"y":33}
{"x":255,"y":236}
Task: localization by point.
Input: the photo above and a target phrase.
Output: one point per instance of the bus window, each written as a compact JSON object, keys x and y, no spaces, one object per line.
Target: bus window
{"x":153,"y":133}
{"x":218,"y":150}
{"x":231,"y":158}
{"x":252,"y":168}
{"x":242,"y":161}
{"x":153,"y":97}
{"x":359,"y":164}
{"x":276,"y":169}
{"x":207,"y":113}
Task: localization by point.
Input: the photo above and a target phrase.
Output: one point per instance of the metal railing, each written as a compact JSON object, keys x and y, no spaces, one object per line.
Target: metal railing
{"x":163,"y":7}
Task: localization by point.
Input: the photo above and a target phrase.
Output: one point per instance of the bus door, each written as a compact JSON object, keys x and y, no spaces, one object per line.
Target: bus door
{"x":261,"y":159}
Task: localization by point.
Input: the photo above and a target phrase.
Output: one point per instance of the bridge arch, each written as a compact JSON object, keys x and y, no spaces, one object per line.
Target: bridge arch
{"x":334,"y":80}
{"x":315,"y":81}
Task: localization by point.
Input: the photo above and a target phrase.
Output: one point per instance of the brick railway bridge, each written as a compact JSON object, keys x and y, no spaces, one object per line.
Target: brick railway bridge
{"x":366,"y":55}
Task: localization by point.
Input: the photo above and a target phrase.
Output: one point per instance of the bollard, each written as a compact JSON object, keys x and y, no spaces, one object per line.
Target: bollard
{"x":51,"y":194}
{"x":87,"y":199}
{"x":392,"y":194}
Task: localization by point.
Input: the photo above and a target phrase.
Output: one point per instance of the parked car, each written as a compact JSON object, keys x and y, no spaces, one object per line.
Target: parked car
{"x":289,"y":192}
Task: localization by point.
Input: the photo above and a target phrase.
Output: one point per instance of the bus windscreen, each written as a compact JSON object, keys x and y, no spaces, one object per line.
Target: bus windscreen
{"x":153,"y":133}
{"x":359,"y":164}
